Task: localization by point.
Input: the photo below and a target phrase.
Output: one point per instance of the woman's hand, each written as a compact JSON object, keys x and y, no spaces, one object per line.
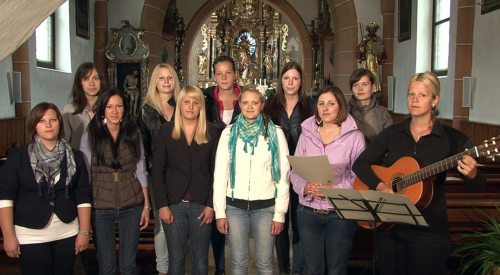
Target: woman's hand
{"x":144,"y":218}
{"x":222,"y":226}
{"x":81,"y":242}
{"x":276,"y":228}
{"x":206,"y":216}
{"x":382,"y":187}
{"x":11,"y":247}
{"x":467,"y":166}
{"x":166,"y":215}
{"x":313,"y":189}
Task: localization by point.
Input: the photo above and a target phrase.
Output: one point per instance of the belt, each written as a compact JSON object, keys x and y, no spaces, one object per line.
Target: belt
{"x":319,"y":211}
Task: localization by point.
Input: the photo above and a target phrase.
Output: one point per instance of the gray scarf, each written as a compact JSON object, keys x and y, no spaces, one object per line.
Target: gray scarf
{"x":47,"y":164}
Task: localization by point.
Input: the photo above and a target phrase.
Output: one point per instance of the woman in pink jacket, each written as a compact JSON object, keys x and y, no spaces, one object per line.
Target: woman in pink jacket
{"x":325,"y":238}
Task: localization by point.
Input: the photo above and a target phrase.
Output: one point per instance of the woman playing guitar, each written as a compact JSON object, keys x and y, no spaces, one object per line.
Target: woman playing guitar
{"x":407,"y":249}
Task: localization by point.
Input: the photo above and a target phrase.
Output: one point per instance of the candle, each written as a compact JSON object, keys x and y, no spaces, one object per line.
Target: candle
{"x":255,"y":81}
{"x":260,"y":81}
{"x":265,"y":81}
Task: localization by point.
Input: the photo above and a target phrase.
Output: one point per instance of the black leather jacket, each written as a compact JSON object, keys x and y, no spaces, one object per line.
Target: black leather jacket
{"x":212,"y":109}
{"x":149,"y":122}
{"x":291,"y":126}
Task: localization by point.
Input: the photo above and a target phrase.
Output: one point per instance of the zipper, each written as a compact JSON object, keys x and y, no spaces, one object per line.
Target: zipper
{"x":249,"y":179}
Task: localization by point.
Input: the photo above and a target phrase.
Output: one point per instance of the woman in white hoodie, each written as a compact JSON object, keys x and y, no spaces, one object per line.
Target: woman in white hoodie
{"x":251,"y":186}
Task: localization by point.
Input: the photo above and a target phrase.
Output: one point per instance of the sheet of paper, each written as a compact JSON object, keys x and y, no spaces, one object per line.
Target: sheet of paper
{"x":312,"y":169}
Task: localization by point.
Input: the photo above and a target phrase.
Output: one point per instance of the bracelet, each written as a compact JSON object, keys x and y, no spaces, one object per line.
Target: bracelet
{"x":147,"y":207}
{"x":85,"y":233}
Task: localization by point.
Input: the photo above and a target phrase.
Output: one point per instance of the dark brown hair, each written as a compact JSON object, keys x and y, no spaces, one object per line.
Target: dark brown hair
{"x":224,"y":58}
{"x":277,"y":106}
{"x":339,"y":96}
{"x":358,"y":74}
{"x":79,"y":100}
{"x":36,"y":115}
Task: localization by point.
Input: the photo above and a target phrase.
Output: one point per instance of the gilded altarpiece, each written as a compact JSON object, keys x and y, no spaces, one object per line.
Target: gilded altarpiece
{"x":252,"y":33}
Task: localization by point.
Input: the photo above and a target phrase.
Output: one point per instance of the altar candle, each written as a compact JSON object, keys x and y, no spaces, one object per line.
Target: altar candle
{"x":265,"y":81}
{"x":255,"y":81}
{"x":260,"y":81}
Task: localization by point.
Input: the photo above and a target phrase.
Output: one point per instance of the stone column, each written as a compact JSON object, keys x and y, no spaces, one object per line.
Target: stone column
{"x":153,"y":14}
{"x":101,"y":34}
{"x":346,"y":39}
{"x":387,"y":9}
{"x":463,"y":64}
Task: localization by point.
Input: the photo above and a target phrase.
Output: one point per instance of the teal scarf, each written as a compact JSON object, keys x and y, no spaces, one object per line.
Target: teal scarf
{"x":249,"y":133}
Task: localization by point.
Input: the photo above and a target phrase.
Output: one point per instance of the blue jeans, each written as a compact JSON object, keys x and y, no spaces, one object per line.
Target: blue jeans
{"x":186,"y":226}
{"x":326,"y":241}
{"x":161,"y":249}
{"x":241,"y":223}
{"x":128,"y":227}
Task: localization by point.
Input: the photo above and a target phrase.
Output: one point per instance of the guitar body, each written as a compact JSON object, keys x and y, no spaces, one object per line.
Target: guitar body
{"x":419,"y":193}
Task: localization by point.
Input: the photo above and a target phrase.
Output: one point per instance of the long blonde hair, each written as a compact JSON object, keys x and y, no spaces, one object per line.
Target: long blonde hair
{"x":195,"y":93}
{"x":153,"y":96}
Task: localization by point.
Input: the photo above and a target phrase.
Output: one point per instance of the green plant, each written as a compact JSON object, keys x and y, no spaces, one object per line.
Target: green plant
{"x":481,"y":249}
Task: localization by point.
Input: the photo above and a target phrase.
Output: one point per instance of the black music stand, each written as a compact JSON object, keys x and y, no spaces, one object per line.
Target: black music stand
{"x":374,"y":207}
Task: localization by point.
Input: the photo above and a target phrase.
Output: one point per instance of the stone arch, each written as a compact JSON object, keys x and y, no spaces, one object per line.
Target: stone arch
{"x":282,"y":6}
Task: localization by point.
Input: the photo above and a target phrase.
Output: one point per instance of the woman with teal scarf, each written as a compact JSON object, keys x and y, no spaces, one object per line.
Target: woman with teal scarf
{"x":251,"y":184}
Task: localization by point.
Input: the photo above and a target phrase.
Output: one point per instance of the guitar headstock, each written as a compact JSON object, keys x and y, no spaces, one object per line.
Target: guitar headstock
{"x":489,"y":148}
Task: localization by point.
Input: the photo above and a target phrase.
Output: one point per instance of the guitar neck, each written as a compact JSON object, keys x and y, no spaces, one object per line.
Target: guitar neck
{"x":435,"y":168}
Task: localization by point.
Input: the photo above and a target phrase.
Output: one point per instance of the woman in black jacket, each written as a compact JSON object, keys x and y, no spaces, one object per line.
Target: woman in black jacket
{"x":183,"y":168}
{"x":45,"y":198}
{"x":158,"y":108}
{"x":288,"y":109}
{"x":408,"y":249}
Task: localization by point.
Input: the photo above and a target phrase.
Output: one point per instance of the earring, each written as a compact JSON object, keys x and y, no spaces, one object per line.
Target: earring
{"x":104,"y":121}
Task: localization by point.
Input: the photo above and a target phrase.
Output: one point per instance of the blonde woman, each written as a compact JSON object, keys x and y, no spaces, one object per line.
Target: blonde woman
{"x":251,"y":186}
{"x":158,"y":108}
{"x":408,"y":249}
{"x":183,"y":167}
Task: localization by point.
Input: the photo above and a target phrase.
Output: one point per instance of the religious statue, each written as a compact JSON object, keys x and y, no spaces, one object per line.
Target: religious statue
{"x":268,"y":60}
{"x":130,"y":86}
{"x":244,"y":57}
{"x":202,"y":63}
{"x":371,"y":53}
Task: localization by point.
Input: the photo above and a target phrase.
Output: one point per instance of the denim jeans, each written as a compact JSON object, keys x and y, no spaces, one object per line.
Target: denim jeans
{"x":160,"y":241}
{"x":128,"y":227}
{"x":161,"y":249}
{"x":326,"y":241}
{"x":218,"y":247}
{"x":282,"y":242}
{"x":241,"y":223}
{"x":186,"y":226}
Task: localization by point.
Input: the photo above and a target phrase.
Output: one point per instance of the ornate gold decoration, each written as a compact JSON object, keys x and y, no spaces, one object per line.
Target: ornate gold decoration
{"x":251,"y":32}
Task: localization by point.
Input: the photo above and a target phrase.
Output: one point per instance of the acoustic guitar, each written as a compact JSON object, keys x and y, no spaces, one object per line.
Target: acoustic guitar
{"x":406,"y":177}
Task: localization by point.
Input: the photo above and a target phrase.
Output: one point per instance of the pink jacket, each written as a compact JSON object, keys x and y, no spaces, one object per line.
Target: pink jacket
{"x":341,"y":153}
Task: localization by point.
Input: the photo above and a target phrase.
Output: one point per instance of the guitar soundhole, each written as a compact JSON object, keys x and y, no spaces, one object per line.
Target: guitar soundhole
{"x":397,"y":185}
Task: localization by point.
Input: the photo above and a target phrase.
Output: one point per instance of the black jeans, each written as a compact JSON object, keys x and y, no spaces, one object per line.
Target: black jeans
{"x":412,"y":250}
{"x":55,"y":257}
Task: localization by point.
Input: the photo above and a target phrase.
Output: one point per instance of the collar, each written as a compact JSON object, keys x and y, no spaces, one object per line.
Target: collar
{"x":437,"y":128}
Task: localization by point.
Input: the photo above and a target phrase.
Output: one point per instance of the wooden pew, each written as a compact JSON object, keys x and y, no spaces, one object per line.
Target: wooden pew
{"x":12,"y":133}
